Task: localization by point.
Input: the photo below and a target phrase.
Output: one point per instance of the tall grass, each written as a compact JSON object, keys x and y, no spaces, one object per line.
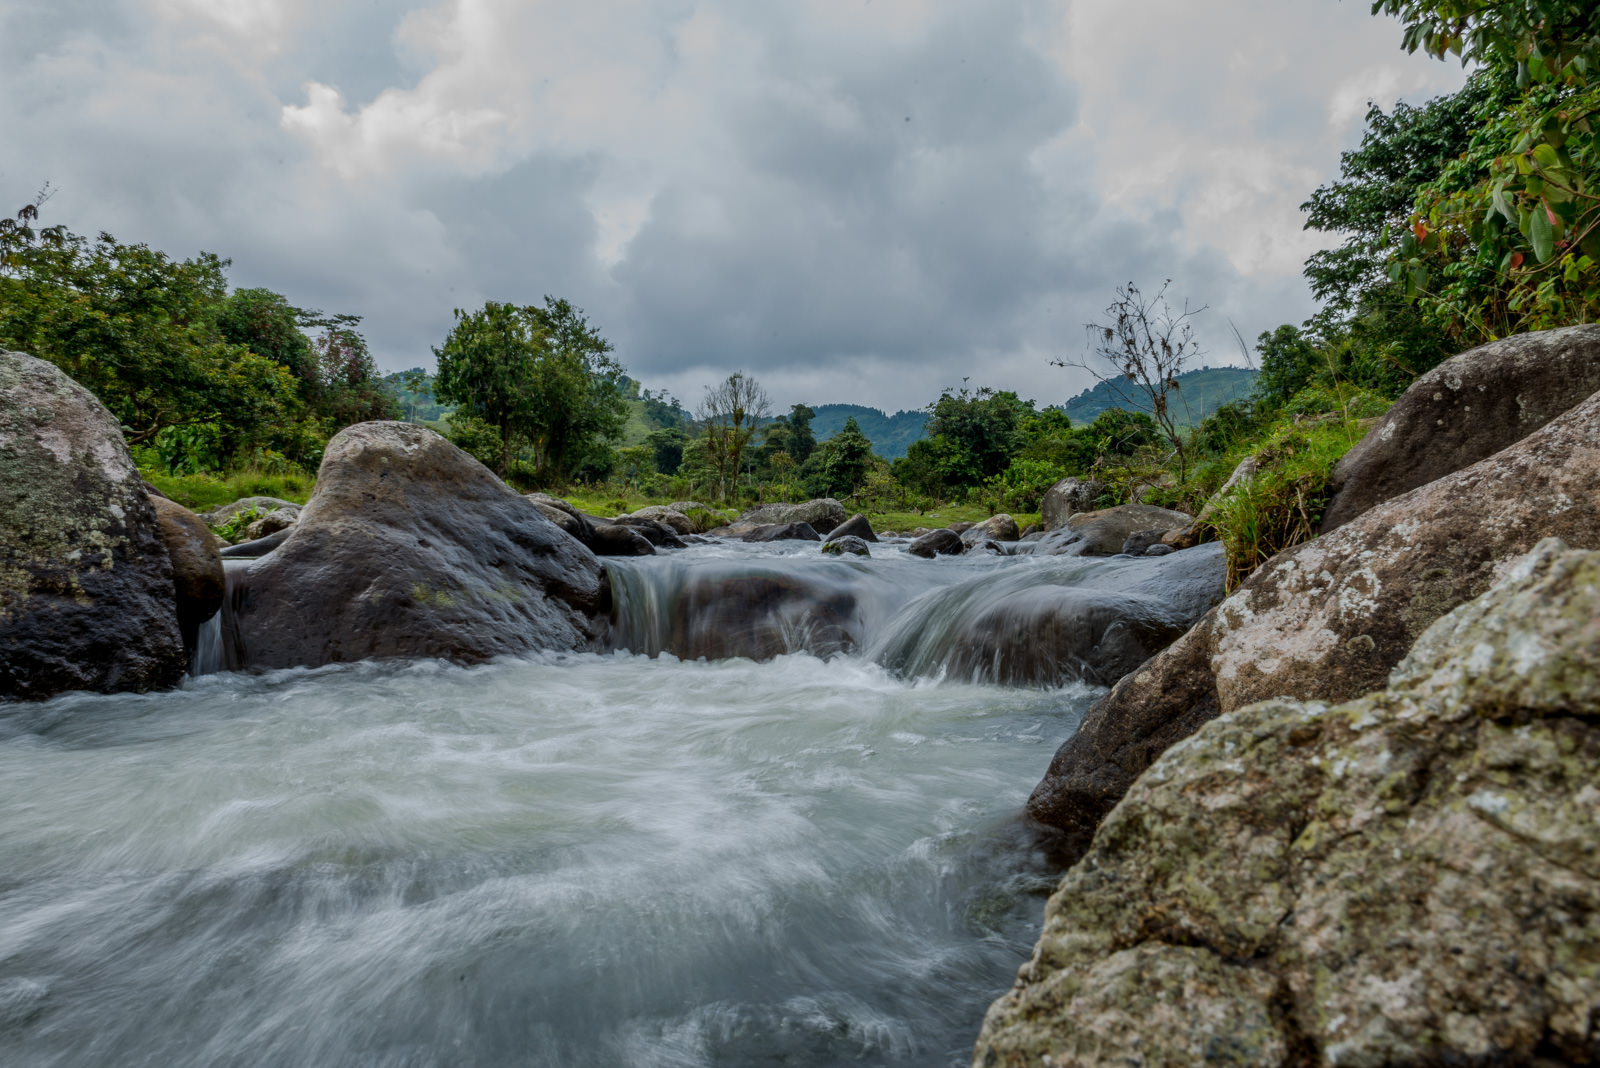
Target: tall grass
{"x":202,"y":492}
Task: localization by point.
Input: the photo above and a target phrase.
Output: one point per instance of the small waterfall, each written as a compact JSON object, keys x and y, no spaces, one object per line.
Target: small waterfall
{"x":1030,"y":621}
{"x":217,"y":644}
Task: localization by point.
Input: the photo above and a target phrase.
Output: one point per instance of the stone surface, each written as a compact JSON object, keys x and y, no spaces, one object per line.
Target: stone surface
{"x":254,"y":550}
{"x":672,"y":517}
{"x":86,"y":593}
{"x":857,"y":526}
{"x":658,"y":534}
{"x":941,"y":542}
{"x":222,"y":513}
{"x":783,"y":532}
{"x":1410,"y":878}
{"x":822,"y":514}
{"x":1103,"y":533}
{"x":272,"y":522}
{"x":1067,"y":498}
{"x":197,"y":576}
{"x":1328,"y":619}
{"x":618,"y":539}
{"x":996,"y":528}
{"x":411,"y":548}
{"x":1468,"y":408}
{"x":848,"y":544}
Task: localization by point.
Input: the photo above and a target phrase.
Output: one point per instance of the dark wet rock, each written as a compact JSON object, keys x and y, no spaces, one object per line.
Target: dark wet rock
{"x":857,"y":526}
{"x":411,"y":548}
{"x":660,"y":535}
{"x":1328,"y":619}
{"x":254,"y":550}
{"x":1103,"y":533}
{"x":1046,"y":627}
{"x":197,"y":577}
{"x":87,"y":600}
{"x":1141,"y":540}
{"x":743,"y":611}
{"x":1159,"y":550}
{"x":1406,"y":879}
{"x":822,"y":515}
{"x":1067,"y":498}
{"x":783,"y":532}
{"x":996,"y":528}
{"x":680,"y":523}
{"x":563,"y":515}
{"x":1466,"y":409}
{"x":941,"y":542}
{"x":619,"y":539}
{"x":848,"y":544}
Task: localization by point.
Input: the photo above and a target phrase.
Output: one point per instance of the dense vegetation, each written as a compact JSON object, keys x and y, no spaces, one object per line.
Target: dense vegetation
{"x":1462,"y":219}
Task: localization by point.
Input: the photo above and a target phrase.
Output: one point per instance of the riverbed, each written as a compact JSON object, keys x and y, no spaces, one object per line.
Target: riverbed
{"x":582,"y":859}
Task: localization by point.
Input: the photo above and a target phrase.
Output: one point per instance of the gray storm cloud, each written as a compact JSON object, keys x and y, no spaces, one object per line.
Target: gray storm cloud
{"x":860,"y":203}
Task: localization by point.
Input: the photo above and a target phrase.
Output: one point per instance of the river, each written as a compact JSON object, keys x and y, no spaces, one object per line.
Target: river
{"x":584,"y":859}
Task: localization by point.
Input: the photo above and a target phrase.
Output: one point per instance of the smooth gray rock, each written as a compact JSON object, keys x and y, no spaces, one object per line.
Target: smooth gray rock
{"x":857,"y":526}
{"x":1067,"y":498}
{"x":848,"y":544}
{"x":822,"y":515}
{"x":783,"y":532}
{"x":1103,"y":533}
{"x":941,"y":542}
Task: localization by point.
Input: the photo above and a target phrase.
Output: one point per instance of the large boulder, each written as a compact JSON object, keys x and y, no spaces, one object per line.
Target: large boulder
{"x":1328,"y":619}
{"x":1468,"y":408}
{"x":783,"y":532}
{"x":86,"y":593}
{"x":1103,"y":533}
{"x":822,"y":515}
{"x":1407,"y":879}
{"x":1066,"y":499}
{"x":618,"y":539}
{"x":672,"y":517}
{"x":198,"y":579}
{"x":411,"y":548}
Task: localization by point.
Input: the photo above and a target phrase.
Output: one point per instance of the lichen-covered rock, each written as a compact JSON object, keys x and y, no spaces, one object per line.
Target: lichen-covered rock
{"x":848,"y":544}
{"x":1067,"y":498}
{"x":1328,"y":619}
{"x":1469,"y":407}
{"x":86,"y":593}
{"x":822,"y":515}
{"x":1409,"y":878}
{"x":411,"y":548}
{"x":222,"y":514}
{"x":197,"y":576}
{"x":1103,"y":533}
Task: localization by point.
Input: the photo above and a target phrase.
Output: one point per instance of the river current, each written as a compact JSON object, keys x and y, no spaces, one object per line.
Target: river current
{"x":588,"y":859}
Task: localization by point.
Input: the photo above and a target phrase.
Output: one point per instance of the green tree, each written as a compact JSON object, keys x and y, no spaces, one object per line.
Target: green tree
{"x":1289,"y":361}
{"x":729,"y":416}
{"x":486,"y":368}
{"x":986,"y":425}
{"x":840,"y":465}
{"x":138,"y":329}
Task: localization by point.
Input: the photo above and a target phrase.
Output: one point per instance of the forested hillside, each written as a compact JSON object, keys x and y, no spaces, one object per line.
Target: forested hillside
{"x":1199,"y":393}
{"x":890,"y":435}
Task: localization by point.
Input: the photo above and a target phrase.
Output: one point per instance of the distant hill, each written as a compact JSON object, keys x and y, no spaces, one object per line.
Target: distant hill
{"x":891,"y":435}
{"x":1201,"y":392}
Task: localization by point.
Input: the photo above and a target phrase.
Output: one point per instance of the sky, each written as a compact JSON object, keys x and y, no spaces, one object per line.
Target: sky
{"x":859,"y":201}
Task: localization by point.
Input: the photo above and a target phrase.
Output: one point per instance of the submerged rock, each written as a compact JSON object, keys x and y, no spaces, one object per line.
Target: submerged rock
{"x":1328,"y":619}
{"x":848,"y":544}
{"x":1103,"y":533}
{"x":1409,"y":878}
{"x":87,"y":600}
{"x":1467,"y":408}
{"x":411,"y":548}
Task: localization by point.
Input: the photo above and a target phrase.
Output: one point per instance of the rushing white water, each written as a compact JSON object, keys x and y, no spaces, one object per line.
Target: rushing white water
{"x":577,"y":860}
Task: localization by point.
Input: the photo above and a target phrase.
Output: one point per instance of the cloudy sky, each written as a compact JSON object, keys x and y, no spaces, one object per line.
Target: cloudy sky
{"x":853,"y":200}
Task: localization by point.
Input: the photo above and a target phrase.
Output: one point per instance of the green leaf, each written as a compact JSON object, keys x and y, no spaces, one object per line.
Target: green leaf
{"x":1542,"y":234}
{"x":1502,"y":206}
{"x":1546,"y":157}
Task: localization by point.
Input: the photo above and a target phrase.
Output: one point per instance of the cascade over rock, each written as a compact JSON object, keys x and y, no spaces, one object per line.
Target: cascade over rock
{"x":1409,"y":878}
{"x":87,"y":600}
{"x":1328,"y":619}
{"x":1467,"y":408}
{"x":411,"y":548}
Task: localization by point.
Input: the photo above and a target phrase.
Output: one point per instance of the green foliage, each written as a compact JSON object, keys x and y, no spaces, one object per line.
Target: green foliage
{"x":477,"y":437}
{"x":231,"y":531}
{"x":1201,"y":390}
{"x":891,"y":435}
{"x":1542,"y":40}
{"x":203,"y":491}
{"x":840,"y":465}
{"x":541,"y":377}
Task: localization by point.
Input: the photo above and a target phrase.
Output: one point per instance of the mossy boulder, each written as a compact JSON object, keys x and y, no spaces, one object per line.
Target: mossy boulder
{"x":86,"y":590}
{"x":411,"y":548}
{"x":1412,"y":877}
